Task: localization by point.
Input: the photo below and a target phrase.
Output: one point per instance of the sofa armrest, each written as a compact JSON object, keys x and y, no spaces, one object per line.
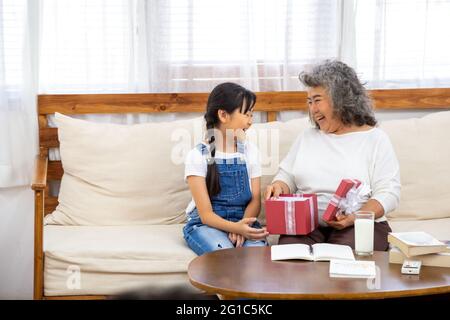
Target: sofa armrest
{"x":39,"y":181}
{"x":39,"y":185}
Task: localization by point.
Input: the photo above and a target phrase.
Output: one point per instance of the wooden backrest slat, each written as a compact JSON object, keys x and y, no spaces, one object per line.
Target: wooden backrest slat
{"x":271,"y":116}
{"x":54,"y":170}
{"x":417,"y":99}
{"x":48,"y":137}
{"x":156,"y":102}
{"x":50,"y":204}
{"x":435,"y":98}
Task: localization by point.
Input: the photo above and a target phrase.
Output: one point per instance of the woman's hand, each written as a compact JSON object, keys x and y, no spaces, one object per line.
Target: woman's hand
{"x":273,"y":190}
{"x":342,"y":221}
{"x":248,"y":232}
{"x":236,"y":239}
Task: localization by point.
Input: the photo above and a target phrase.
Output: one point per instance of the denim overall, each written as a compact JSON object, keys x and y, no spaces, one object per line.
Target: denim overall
{"x":229,"y":204}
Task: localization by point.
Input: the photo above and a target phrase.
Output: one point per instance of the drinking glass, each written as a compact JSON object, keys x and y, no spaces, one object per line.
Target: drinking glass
{"x":364,"y":224}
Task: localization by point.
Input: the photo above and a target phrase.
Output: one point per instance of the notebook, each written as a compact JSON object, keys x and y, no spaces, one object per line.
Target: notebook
{"x":316,"y":252}
{"x":352,"y":269}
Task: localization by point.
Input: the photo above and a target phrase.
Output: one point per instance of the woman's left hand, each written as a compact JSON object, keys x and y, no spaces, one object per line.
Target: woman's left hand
{"x":342,"y":221}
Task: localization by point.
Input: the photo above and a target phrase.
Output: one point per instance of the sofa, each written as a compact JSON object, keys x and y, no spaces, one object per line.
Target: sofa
{"x":118,"y":218}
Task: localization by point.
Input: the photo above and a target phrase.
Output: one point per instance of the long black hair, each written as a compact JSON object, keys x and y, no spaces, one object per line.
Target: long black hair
{"x":228,"y":97}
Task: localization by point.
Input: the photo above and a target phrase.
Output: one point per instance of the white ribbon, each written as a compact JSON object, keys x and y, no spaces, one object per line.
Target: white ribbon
{"x":311,"y":211}
{"x":289,"y":212}
{"x":289,"y":216}
{"x":355,"y":199}
{"x":336,"y":200}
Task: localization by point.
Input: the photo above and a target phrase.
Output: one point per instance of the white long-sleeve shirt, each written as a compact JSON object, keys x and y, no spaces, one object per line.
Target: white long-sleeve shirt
{"x":317,"y":162}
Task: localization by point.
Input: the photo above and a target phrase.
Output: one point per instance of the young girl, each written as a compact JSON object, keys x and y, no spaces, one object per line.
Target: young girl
{"x":223,"y":174}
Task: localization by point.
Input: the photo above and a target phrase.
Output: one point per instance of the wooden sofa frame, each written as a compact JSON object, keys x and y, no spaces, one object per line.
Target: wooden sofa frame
{"x":269,"y":102}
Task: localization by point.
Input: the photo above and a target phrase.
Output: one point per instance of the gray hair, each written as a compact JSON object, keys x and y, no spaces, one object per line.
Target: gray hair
{"x":350,"y":100}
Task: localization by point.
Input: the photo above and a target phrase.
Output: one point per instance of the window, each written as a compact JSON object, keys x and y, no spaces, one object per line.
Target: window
{"x":188,"y":45}
{"x":85,"y":45}
{"x":403,"y":43}
{"x":98,"y":45}
{"x":12,"y":16}
{"x":272,"y":38}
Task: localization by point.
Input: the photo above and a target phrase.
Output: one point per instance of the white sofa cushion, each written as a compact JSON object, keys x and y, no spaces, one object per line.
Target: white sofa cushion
{"x":114,"y":258}
{"x":121,"y":174}
{"x":423,"y":150}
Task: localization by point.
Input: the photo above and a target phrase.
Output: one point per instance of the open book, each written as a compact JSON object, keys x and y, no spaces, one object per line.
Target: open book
{"x":316,"y":252}
{"x":416,"y":243}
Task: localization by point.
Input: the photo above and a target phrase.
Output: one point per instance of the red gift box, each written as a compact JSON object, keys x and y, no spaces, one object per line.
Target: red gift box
{"x":333,"y":206}
{"x":292,"y":214}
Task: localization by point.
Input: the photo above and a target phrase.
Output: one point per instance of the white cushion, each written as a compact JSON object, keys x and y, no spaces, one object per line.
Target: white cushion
{"x":423,"y":150}
{"x":121,"y":174}
{"x":114,"y":258}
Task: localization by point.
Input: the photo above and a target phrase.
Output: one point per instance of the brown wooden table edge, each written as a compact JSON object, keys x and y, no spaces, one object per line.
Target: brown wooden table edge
{"x":232,"y":294}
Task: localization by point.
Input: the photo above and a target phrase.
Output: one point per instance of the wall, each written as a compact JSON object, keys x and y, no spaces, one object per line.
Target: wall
{"x":16,"y":243}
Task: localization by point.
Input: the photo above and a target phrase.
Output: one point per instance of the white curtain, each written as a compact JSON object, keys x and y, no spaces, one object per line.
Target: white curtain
{"x":18,"y":138}
{"x":18,"y":145}
{"x":183,"y":45}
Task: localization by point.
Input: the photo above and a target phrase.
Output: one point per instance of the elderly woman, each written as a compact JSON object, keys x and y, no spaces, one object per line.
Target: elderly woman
{"x":345,"y":143}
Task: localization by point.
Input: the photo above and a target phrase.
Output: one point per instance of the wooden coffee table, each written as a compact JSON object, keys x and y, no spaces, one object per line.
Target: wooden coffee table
{"x":250,"y":273}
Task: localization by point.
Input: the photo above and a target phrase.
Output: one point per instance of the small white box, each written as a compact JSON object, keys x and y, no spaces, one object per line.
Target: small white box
{"x":411,"y":266}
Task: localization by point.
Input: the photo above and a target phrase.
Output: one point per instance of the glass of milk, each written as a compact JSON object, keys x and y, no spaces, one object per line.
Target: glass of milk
{"x":364,"y":223}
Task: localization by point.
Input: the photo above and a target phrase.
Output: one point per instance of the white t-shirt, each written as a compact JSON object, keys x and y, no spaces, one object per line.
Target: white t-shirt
{"x":317,"y":162}
{"x":195,"y":164}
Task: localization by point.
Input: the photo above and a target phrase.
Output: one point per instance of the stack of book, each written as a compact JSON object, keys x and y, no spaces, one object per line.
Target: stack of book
{"x":418,"y":246}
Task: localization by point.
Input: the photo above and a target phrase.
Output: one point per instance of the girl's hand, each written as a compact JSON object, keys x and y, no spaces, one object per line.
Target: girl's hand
{"x":236,"y":239}
{"x":233,"y":237}
{"x":272,"y":190}
{"x":248,"y":232}
{"x":342,"y":221}
{"x":239,"y":240}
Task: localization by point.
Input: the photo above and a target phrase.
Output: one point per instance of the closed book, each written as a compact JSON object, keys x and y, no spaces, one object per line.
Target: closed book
{"x":352,"y":269}
{"x":416,"y":243}
{"x":440,"y":259}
